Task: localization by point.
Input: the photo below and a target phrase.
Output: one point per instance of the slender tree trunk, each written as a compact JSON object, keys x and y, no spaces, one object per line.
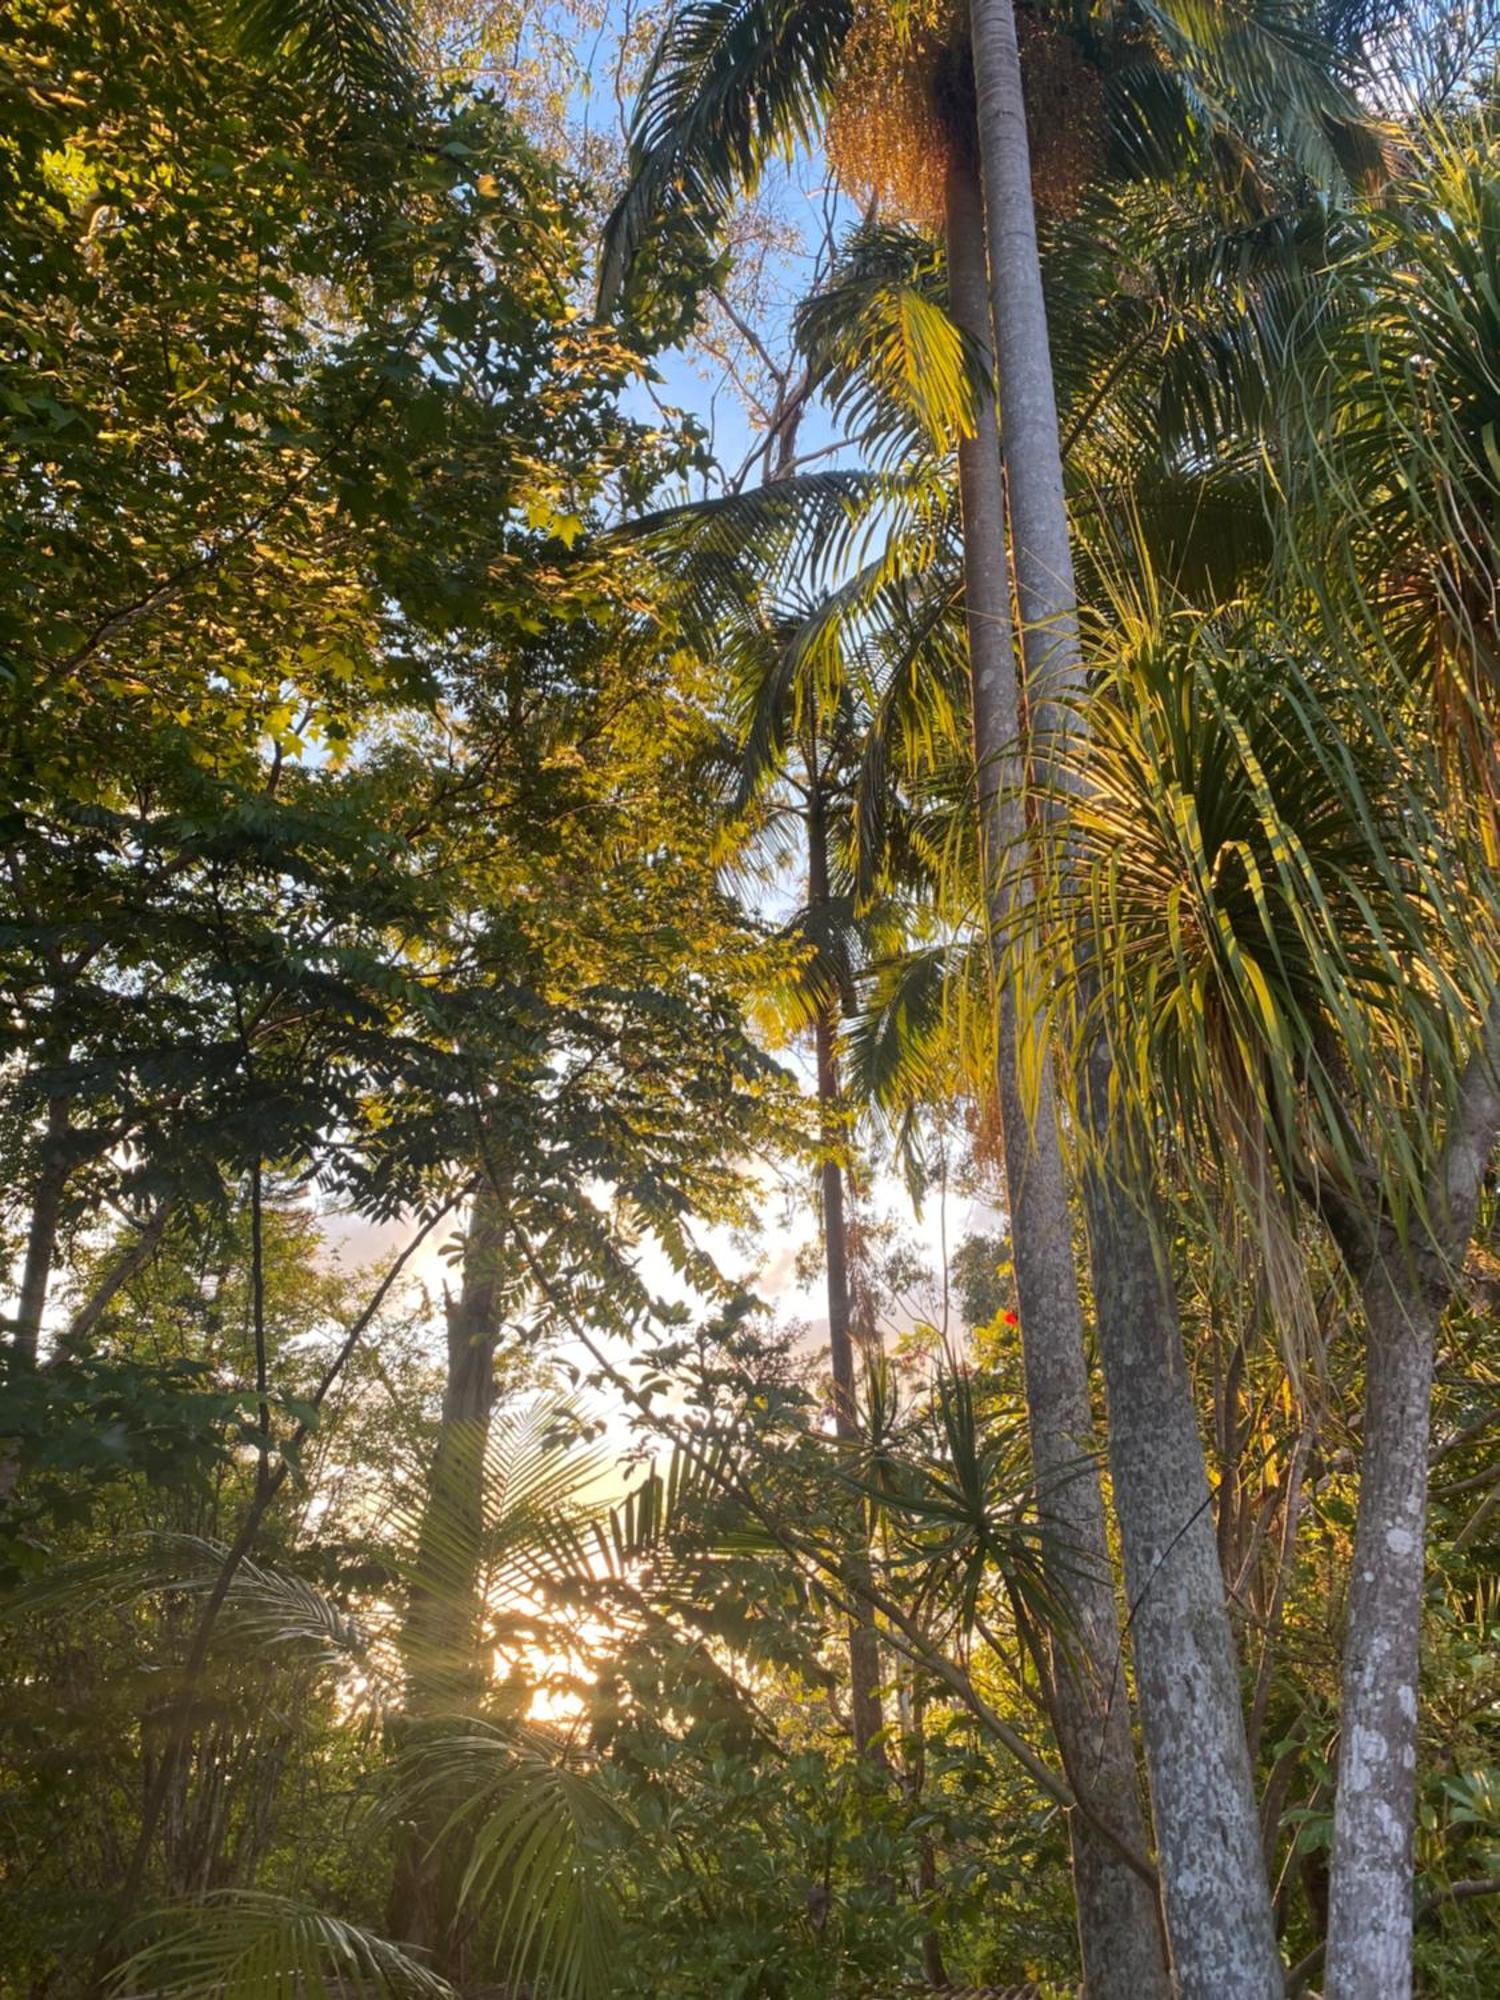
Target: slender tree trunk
{"x":864,"y":1643}
{"x":1118,"y":1928}
{"x":41,"y":1237}
{"x":1370,"y":1899}
{"x":438,"y":1637}
{"x":126,"y":1268}
{"x":439,"y":1640}
{"x":1218,"y":1908}
{"x":1405,"y":1289}
{"x":914,"y":1774}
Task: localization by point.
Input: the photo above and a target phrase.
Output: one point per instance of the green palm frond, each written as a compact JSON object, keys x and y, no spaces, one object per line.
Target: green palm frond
{"x":536,"y":1830}
{"x":689,"y":1490}
{"x":275,"y":1607}
{"x":537,"y":1476}
{"x":490,"y":1534}
{"x":878,"y":341}
{"x":246,"y":1944}
{"x":1270,"y":933}
{"x":901,"y":1043}
{"x":360,"y":51}
{"x":1253,"y":72}
{"x":1398,"y":500}
{"x":266,"y":1606}
{"x":1178,"y":321}
{"x":790,"y":539}
{"x":731,"y":84}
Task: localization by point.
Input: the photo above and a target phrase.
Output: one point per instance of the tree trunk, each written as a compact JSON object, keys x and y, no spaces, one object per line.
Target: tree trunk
{"x":126,"y":1268}
{"x":1118,"y":1929}
{"x":1370,"y":1900}
{"x":439,"y":1639}
{"x":864,"y":1643}
{"x":41,"y":1237}
{"x":1405,"y":1289}
{"x":1218,"y":1908}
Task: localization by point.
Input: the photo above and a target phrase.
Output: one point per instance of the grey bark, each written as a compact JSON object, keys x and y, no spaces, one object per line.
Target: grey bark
{"x":1370,"y":1893}
{"x":1119,"y":1932}
{"x":1404,"y":1290}
{"x":864,"y":1644}
{"x":1218,"y":1907}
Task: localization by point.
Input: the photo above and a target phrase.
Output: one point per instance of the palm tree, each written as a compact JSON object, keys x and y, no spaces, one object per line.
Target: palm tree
{"x":1403,"y":397}
{"x":1219,"y":1918}
{"x":734,"y":84}
{"x":791,"y":763}
{"x":1117,"y":1918}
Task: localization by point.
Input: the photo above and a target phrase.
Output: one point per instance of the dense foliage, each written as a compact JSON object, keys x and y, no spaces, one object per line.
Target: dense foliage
{"x":485,"y":935}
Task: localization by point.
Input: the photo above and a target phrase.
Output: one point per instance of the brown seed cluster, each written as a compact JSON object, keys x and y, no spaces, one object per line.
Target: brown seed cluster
{"x":890,"y":134}
{"x":1064,"y":113}
{"x":885,"y":139}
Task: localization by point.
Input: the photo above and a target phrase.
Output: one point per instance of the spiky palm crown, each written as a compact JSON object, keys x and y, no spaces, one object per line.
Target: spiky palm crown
{"x":1267,"y":926}
{"x":1134,"y":87}
{"x":1401,"y":396}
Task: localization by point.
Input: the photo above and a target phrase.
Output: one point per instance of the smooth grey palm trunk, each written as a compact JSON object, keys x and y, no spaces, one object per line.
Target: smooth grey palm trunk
{"x":867,"y":1713}
{"x":1218,"y":1907}
{"x":1119,"y":1933}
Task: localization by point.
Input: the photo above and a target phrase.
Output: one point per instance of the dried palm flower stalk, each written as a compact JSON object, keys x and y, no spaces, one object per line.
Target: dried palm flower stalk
{"x":893,"y":127}
{"x":1064,"y":113}
{"x":886,"y":138}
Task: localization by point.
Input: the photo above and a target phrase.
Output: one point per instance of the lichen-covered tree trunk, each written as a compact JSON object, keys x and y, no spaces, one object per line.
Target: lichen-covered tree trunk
{"x":1119,"y":1934}
{"x":1208,"y":1842}
{"x":1405,"y":1288}
{"x":1370,"y":1897}
{"x":1218,"y":1907}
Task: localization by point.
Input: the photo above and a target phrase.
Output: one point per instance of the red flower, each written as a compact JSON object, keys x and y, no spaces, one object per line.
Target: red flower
{"x":1012,"y":1319}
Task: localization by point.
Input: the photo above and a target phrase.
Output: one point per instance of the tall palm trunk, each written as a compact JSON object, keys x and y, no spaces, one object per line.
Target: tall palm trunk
{"x":1218,"y":1908}
{"x":1405,"y":1288}
{"x":864,"y":1644}
{"x":439,"y":1639}
{"x":1118,"y":1929}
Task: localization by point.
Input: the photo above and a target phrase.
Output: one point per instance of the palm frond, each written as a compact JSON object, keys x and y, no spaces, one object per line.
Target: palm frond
{"x":877,"y":338}
{"x":360,"y":51}
{"x":1268,"y":930}
{"x":246,"y":1944}
{"x":1398,"y":498}
{"x":731,"y":83}
{"x":536,"y":1830}
{"x":1250,"y":71}
{"x":266,"y":1606}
